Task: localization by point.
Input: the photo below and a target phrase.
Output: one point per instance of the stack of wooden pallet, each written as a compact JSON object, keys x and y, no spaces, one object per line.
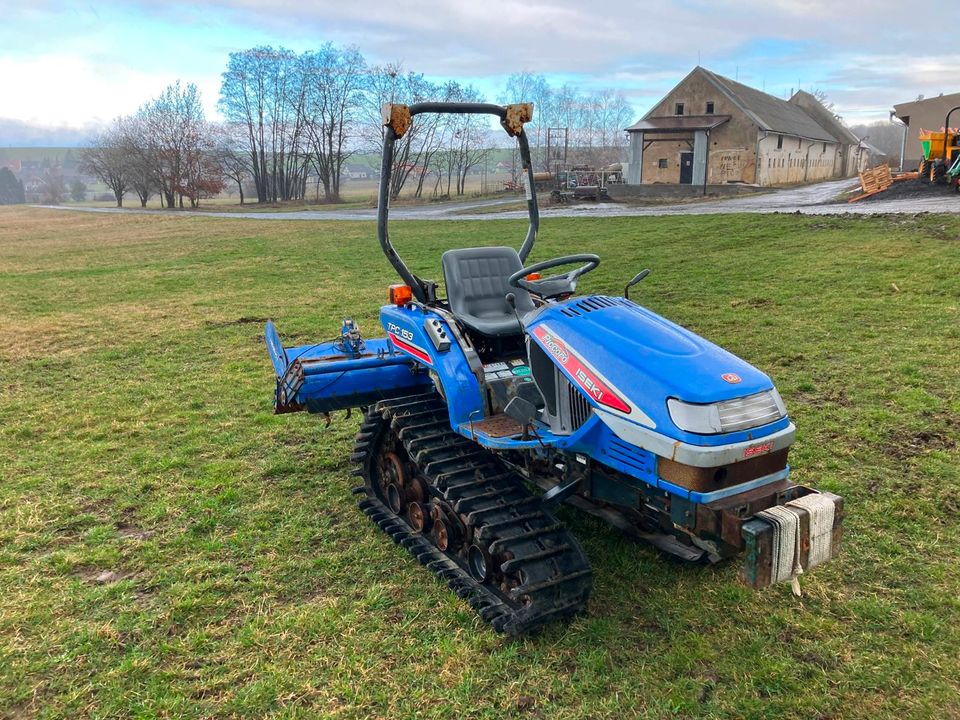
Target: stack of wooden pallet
{"x":879,"y":179}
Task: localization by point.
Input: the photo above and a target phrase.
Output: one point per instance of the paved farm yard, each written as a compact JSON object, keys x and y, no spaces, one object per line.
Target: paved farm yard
{"x":169,"y":548}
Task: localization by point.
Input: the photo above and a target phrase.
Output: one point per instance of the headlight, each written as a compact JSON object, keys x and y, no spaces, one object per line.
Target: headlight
{"x":728,"y":416}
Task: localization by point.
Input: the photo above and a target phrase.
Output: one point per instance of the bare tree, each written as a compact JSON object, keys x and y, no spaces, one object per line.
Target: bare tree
{"x":243,"y":100}
{"x":53,"y":190}
{"x":107,"y":160}
{"x":414,"y":152}
{"x":141,"y":159}
{"x":532,"y":88}
{"x":823,"y":99}
{"x":178,"y":143}
{"x":335,"y":80}
{"x":594,"y":121}
{"x":464,"y":142}
{"x":234,"y":161}
{"x":611,"y":114}
{"x":263,"y":90}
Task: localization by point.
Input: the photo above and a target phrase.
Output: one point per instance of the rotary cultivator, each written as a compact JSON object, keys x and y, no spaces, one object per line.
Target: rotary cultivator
{"x":484,"y":409}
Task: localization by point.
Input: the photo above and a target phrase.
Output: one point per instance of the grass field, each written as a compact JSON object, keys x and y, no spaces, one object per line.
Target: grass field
{"x":169,"y":548}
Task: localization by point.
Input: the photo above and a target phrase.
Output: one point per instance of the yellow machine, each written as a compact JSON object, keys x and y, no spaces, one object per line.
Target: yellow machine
{"x":936,"y":165}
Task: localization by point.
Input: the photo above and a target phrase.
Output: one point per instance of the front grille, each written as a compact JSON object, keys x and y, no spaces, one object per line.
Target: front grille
{"x":577,"y":404}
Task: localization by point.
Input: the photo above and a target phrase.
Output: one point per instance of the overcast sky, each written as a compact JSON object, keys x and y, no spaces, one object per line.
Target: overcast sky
{"x":67,"y":66}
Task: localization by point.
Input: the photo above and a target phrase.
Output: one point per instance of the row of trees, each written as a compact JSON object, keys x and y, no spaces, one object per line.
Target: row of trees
{"x":590,"y":124}
{"x":303,"y":115}
{"x":293,"y":120}
{"x":300,"y":116}
{"x":166,"y":148}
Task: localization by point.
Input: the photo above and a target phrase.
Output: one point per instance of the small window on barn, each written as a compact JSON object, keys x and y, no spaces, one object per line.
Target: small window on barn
{"x":662,"y":163}
{"x":799,"y":143}
{"x":710,"y":107}
{"x":824,"y":147}
{"x":678,"y":110}
{"x":779,"y":142}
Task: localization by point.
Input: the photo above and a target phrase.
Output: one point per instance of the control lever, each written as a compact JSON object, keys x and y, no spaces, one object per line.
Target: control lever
{"x":512,"y":302}
{"x":636,"y":278}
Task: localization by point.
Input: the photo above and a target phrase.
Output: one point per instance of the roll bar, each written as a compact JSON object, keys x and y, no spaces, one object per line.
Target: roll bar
{"x":397,"y":119}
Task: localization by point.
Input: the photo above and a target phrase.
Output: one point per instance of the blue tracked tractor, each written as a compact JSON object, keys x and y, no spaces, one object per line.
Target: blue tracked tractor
{"x":511,"y":383}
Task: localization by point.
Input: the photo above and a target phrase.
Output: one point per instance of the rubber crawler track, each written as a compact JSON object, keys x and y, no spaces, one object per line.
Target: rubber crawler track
{"x":551,"y":577}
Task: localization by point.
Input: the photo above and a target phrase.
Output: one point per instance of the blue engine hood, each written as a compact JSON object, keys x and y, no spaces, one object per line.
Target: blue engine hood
{"x":646,"y":357}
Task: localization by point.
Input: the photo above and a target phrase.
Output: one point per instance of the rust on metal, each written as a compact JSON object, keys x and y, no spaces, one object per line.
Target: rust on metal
{"x":307,"y":362}
{"x":709,"y":479}
{"x":419,"y":519}
{"x":498,"y":426}
{"x":397,"y":117}
{"x":756,"y":570}
{"x":287,"y":388}
{"x":516,"y":116}
{"x":395,"y":468}
{"x":440,"y":536}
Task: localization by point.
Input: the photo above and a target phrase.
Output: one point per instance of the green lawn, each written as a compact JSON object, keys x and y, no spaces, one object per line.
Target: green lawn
{"x":170,"y":548}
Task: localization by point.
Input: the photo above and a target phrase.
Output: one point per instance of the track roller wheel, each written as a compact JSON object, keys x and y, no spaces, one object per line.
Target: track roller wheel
{"x":418,"y":517}
{"x":479,"y":562}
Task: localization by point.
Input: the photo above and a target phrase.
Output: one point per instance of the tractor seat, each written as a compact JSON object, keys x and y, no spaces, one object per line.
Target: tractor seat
{"x":476,"y":281}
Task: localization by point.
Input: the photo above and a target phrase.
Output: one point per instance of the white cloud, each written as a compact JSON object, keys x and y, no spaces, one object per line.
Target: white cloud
{"x":67,"y":90}
{"x":111,"y":57}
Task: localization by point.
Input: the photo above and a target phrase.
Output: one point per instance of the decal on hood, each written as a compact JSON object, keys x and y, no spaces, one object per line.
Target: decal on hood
{"x":401,"y":338}
{"x":591,"y":382}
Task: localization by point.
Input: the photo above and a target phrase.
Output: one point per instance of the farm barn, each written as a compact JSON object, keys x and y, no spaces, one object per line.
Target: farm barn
{"x":711,"y":129}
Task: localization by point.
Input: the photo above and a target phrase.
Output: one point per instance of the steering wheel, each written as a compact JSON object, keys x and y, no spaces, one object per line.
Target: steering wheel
{"x":554,"y":285}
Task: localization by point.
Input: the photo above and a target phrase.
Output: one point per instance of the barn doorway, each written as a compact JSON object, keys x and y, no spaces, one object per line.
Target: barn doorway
{"x":686,"y":168}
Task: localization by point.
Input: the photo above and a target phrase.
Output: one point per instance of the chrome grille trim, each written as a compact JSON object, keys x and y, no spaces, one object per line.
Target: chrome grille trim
{"x":577,"y":403}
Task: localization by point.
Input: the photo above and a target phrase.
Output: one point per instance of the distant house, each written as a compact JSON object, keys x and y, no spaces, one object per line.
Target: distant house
{"x":357,"y":172}
{"x":713,"y":130}
{"x":924,"y":114}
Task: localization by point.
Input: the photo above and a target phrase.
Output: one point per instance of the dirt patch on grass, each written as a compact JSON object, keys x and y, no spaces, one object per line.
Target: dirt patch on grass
{"x":828,"y":397}
{"x":239,"y":321}
{"x":100,"y":576}
{"x":904,"y":444}
{"x":757,"y":302}
{"x":129,"y":532}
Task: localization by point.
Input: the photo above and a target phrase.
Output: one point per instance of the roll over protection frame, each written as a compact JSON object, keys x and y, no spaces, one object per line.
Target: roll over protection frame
{"x":397,"y":119}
